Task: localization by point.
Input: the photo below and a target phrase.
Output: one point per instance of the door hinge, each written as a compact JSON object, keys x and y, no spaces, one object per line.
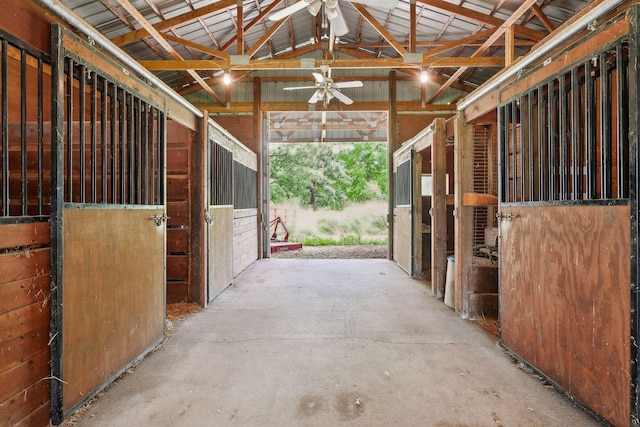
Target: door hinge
{"x":509,"y":216}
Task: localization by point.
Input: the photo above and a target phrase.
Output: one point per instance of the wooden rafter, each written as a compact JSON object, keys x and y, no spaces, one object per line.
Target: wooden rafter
{"x":196,"y":46}
{"x":177,"y":20}
{"x":526,"y":4}
{"x":380,"y":29}
{"x":292,"y":64}
{"x":165,"y":44}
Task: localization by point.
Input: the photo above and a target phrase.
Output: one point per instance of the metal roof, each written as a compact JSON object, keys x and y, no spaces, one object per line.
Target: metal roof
{"x":196,"y":35}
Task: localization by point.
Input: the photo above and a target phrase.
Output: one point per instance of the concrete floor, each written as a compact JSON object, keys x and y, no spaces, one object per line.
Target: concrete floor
{"x":330,"y":342}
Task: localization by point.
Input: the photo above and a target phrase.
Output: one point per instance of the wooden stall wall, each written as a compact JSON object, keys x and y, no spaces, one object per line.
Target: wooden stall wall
{"x":179,"y":261}
{"x":566,"y":181}
{"x":25,"y":253}
{"x":24,"y":324}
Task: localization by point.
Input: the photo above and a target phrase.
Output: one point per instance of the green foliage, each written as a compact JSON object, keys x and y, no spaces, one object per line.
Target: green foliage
{"x":319,"y":177}
{"x":347,"y":240}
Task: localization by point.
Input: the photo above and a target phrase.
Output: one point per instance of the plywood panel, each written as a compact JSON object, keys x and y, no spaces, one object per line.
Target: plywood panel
{"x":402,"y":245}
{"x":113,"y":295}
{"x":565,"y":303}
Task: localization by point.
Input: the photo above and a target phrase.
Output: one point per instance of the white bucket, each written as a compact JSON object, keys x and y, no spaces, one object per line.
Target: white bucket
{"x":450,"y":284}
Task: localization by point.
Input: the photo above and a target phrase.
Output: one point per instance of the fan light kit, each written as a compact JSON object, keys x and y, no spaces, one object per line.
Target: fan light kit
{"x":226,"y":78}
{"x":327,"y":89}
{"x":424,"y":76}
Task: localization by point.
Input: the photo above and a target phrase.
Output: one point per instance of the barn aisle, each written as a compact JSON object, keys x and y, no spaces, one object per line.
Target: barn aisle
{"x":302,"y":342}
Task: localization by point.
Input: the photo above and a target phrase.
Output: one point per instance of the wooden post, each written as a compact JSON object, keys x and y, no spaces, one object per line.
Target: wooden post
{"x":439,"y":208}
{"x":509,"y":46}
{"x":263,"y":205}
{"x":198,"y":204}
{"x":391,"y":148}
{"x":416,"y":215}
{"x":463,"y":154}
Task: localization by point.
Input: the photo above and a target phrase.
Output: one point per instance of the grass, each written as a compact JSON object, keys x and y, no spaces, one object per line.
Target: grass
{"x":347,"y":240}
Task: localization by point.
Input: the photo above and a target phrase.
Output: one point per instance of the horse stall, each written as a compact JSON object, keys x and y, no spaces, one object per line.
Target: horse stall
{"x":422,"y":218}
{"x":25,"y":250}
{"x":476,"y":189}
{"x":568,"y":210}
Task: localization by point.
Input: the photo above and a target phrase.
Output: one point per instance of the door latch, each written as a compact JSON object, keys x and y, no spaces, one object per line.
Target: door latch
{"x":208,"y":217}
{"x":160,"y":219}
{"x":509,"y":216}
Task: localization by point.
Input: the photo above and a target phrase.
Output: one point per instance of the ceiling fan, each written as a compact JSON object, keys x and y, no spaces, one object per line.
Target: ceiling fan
{"x":332,"y":11}
{"x":327,"y":89}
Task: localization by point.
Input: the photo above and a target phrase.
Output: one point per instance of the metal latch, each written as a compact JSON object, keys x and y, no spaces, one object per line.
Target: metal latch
{"x":509,"y":216}
{"x":208,"y":217}
{"x":160,"y":219}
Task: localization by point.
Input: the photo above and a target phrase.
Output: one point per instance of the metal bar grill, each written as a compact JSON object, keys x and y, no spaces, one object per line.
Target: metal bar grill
{"x":120,"y":144}
{"x":605,"y":127}
{"x":622,"y":85}
{"x":591,"y":131}
{"x":562,"y":143}
{"x":22,"y":149}
{"x":245,"y":190}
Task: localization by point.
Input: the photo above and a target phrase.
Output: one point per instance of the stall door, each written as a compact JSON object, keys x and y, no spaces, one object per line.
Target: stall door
{"x":565,"y":235}
{"x":108,"y":225}
{"x":403,"y":211}
{"x":219,"y":217}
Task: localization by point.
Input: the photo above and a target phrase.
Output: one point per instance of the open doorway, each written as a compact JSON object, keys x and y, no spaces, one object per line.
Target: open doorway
{"x":328,"y":184}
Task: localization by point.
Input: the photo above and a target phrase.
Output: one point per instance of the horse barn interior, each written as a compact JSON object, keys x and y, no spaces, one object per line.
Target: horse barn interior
{"x":134,"y":175}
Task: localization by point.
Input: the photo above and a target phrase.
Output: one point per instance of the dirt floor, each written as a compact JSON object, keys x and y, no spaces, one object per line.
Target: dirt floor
{"x":335,"y":252}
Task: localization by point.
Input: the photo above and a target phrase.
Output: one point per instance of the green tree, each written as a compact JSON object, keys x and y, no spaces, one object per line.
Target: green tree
{"x":366,"y":165}
{"x":310,"y":173}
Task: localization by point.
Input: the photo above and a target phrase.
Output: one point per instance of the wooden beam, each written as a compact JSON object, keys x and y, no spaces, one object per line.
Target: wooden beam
{"x":537,"y":11}
{"x":175,"y":21}
{"x":277,"y":64}
{"x":380,"y":29}
{"x":196,"y":46}
{"x":439,"y":208}
{"x":526,"y":5}
{"x":482,"y":18}
{"x":412,"y":26}
{"x":240,"y":31}
{"x":165,"y":44}
{"x":404,"y":106}
{"x":267,"y":35}
{"x":509,"y":48}
{"x":479,"y":199}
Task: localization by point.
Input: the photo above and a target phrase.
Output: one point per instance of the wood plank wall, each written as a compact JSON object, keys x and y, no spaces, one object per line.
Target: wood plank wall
{"x":24,"y":324}
{"x":179,"y":143}
{"x":245,"y":239}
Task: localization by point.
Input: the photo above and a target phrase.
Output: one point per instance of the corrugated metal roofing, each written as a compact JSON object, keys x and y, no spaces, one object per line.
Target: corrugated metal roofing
{"x":217,"y":31}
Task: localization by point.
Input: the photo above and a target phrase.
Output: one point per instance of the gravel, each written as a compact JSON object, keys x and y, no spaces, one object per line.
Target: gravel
{"x":335,"y":252}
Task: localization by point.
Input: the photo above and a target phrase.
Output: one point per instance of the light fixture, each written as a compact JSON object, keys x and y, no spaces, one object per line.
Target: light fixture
{"x":226,"y":78}
{"x":424,"y":75}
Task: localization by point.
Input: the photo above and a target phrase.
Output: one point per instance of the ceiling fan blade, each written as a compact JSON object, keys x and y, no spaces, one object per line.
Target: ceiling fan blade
{"x":314,"y":6}
{"x":383,"y":4}
{"x":300,"y":87}
{"x":338,"y":23}
{"x":287,"y":11}
{"x":342,"y":97}
{"x":319,"y":78}
{"x":317,"y":96}
{"x":355,"y":83}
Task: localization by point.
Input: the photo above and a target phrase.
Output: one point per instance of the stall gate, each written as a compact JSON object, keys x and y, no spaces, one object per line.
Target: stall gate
{"x":108,"y":222}
{"x":403,"y":215}
{"x":219,"y":214}
{"x":565,"y":228}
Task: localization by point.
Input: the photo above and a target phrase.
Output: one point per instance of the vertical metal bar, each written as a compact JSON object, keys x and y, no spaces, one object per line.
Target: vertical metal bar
{"x":103,"y":140}
{"x":40,"y":137}
{"x":122,"y":106}
{"x":69,"y":154}
{"x":590,"y":131}
{"x":113,"y":111}
{"x":524,"y":140}
{"x":634,"y":132}
{"x":623,"y":122}
{"x":531,"y":138}
{"x":144,"y":160}
{"x":162,"y":147}
{"x":152,"y":171}
{"x":576,"y":161}
{"x":562,"y":141}
{"x":23,"y":132}
{"x":551,"y":129}
{"x":138,"y":149}
{"x":131,"y":146}
{"x":94,"y":136}
{"x":514,"y":134}
{"x":542,"y":152}
{"x":57,"y":200}
{"x":605,"y":128}
{"x":506,"y":110}
{"x":5,"y":129}
{"x":82,"y":106}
